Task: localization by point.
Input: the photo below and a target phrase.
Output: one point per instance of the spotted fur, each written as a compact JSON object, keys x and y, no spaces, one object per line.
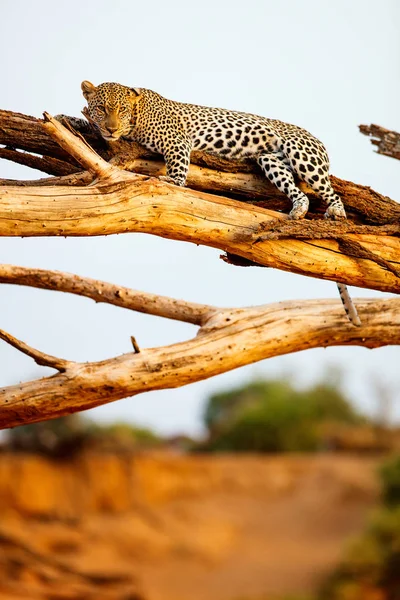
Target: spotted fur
{"x":174,"y":129}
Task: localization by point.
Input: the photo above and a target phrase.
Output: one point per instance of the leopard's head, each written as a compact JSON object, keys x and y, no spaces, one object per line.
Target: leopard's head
{"x":110,"y":107}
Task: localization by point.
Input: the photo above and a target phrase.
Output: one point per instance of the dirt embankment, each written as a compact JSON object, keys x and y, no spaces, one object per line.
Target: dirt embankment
{"x":165,"y":527}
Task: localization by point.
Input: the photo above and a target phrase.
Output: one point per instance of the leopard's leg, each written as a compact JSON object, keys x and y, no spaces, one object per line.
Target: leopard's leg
{"x":348,"y":304}
{"x":282,"y":176}
{"x":324,"y":189}
{"x":279,"y":173}
{"x":309,"y":160}
{"x":177,"y":160}
{"x":80,"y":125}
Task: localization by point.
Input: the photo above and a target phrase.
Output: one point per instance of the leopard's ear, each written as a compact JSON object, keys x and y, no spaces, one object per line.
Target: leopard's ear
{"x":136,"y":91}
{"x":88,"y":89}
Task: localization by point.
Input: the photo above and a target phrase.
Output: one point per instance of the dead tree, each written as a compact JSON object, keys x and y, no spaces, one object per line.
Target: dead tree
{"x":98,"y":189}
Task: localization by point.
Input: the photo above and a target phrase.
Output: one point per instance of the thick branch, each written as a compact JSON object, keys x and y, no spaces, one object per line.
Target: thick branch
{"x":100,"y":291}
{"x":388,"y":142}
{"x":229,"y":339}
{"x":151,"y":206}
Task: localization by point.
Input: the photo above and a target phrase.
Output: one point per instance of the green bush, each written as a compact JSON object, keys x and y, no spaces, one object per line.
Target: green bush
{"x":272,"y":416}
{"x":57,"y":437}
{"x":371,"y":565}
{"x":121,"y":436}
{"x":68,"y":435}
{"x":390,"y":476}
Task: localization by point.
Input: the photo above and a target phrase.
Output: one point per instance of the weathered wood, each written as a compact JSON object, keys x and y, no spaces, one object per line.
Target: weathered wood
{"x":388,"y":142}
{"x":144,"y":205}
{"x":101,"y":291}
{"x":230,"y":338}
{"x":120,"y":201}
{"x":27,"y":133}
{"x":41,"y":163}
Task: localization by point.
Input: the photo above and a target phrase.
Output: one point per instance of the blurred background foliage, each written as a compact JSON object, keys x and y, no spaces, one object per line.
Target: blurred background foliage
{"x":263,"y":416}
{"x":273,"y":416}
{"x":70,"y":435}
{"x":370,"y":568}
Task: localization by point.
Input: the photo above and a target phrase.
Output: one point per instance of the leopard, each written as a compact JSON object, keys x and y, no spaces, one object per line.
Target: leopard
{"x":175,"y":129}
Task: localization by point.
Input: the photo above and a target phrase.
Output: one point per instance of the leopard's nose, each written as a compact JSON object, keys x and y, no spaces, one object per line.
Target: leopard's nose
{"x":112,"y":128}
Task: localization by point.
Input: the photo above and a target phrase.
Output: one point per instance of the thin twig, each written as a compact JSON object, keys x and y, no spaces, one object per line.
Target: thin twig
{"x":40,"y":358}
{"x":78,"y":178}
{"x":135,"y":345}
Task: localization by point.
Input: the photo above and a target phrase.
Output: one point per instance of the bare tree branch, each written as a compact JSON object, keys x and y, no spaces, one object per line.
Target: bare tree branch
{"x":122,"y":202}
{"x":229,"y":339}
{"x":40,"y":163}
{"x":151,"y":206}
{"x":135,"y":344}
{"x":28,"y":133}
{"x":388,"y":142}
{"x":40,"y":358}
{"x":100,"y":291}
{"x":80,"y":150}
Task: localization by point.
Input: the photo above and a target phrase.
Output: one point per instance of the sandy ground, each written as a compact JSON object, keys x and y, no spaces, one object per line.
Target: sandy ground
{"x":165,"y":527}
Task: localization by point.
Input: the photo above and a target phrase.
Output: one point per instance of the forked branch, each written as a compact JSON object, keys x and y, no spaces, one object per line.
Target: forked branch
{"x":228,"y":338}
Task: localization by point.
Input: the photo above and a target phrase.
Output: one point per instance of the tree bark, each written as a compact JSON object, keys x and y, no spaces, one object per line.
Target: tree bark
{"x":228,"y":338}
{"x":388,"y":142}
{"x":100,"y":291}
{"x":365,"y":258}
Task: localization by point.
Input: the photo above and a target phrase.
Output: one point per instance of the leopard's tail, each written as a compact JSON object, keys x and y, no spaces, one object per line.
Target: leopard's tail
{"x":348,"y":304}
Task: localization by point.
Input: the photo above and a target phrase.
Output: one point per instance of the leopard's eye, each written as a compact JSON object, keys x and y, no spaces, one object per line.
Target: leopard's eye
{"x":100,"y":111}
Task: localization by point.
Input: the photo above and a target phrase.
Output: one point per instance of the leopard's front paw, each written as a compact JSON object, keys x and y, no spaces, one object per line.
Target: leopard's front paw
{"x":335,"y":211}
{"x":75,"y":122}
{"x":62,"y":118}
{"x":166,"y":179}
{"x":300,"y":208}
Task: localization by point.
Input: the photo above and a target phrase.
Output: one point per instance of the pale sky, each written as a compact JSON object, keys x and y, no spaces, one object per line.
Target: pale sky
{"x":326,"y":65}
